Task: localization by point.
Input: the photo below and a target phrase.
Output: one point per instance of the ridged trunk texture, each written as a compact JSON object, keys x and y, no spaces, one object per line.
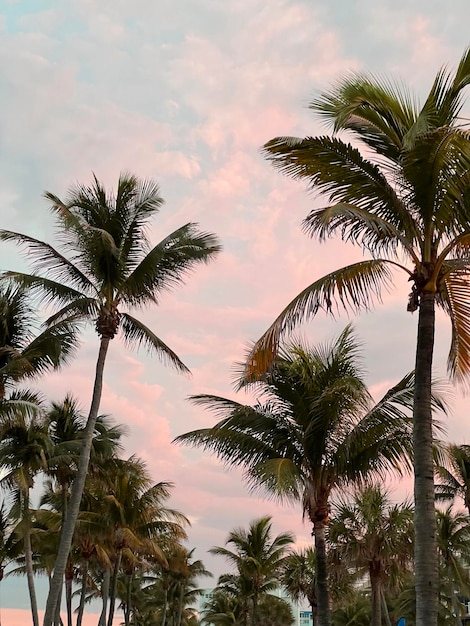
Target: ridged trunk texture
{"x":426,"y":558}
{"x":323,"y":600}
{"x":77,"y":488}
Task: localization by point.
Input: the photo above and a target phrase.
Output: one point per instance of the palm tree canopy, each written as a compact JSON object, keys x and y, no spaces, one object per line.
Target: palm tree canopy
{"x":370,"y":531}
{"x":314,"y":427}
{"x":404,"y":200}
{"x":113,"y":263}
{"x":22,"y":353}
{"x":454,"y":474}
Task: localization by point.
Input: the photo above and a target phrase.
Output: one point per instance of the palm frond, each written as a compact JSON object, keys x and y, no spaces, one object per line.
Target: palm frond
{"x":135,"y":333}
{"x":165,"y":266}
{"x":360,"y":226}
{"x":454,"y":298}
{"x":375,"y":109}
{"x":45,"y":258}
{"x":352,"y":288}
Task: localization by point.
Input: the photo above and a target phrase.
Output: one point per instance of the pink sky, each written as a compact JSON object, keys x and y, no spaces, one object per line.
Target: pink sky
{"x":186,"y":92}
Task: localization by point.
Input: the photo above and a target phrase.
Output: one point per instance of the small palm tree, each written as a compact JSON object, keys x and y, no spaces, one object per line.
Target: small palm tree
{"x":314,"y":430}
{"x":107,"y":264}
{"x":299,"y":577}
{"x":454,"y":475}
{"x":453,"y":541}
{"x":375,"y":537}
{"x":258,"y":560}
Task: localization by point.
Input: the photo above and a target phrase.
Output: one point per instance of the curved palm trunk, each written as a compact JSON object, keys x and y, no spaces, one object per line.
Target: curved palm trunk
{"x":28,"y":557}
{"x":77,"y":488}
{"x":376,"y":592}
{"x":426,"y":559}
{"x":81,"y":606}
{"x":105,"y":596}
{"x":112,"y":595}
{"x":323,"y":601}
{"x":127,"y":609}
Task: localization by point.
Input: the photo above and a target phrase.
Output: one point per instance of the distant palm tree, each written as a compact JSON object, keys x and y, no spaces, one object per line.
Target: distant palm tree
{"x":454,"y":474}
{"x":299,"y":577}
{"x":258,"y":559}
{"x":374,"y":536}
{"x":453,"y":541}
{"x":313,"y":430}
{"x":405,"y":199}
{"x":24,"y":447}
{"x":110,"y":265}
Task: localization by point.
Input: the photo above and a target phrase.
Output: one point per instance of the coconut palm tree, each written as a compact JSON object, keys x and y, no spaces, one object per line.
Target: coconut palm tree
{"x":106,"y":264}
{"x":258,"y":560}
{"x":313,"y":430}
{"x":375,"y":537}
{"x":405,"y":201}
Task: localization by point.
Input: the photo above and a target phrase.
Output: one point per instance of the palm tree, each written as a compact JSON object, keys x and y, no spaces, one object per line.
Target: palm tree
{"x":110,"y":265}
{"x":22,"y":354}
{"x":299,"y":577}
{"x":375,"y":537}
{"x":258,"y":560}
{"x":24,"y":447}
{"x":454,"y":475}
{"x":405,"y":200}
{"x":453,"y":541}
{"x":134,"y":511}
{"x":314,"y":430}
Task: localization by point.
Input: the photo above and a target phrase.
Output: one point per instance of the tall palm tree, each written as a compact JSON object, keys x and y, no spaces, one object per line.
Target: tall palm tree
{"x":454,"y":474}
{"x":258,"y":559}
{"x":376,"y":537}
{"x":405,"y":201}
{"x":313,"y":430}
{"x":107,"y":263}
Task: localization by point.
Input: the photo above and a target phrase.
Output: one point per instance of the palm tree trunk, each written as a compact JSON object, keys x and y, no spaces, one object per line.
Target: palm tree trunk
{"x":112,"y":595}
{"x":28,"y":557}
{"x":77,"y":488}
{"x":180,"y":603}
{"x":68,"y":593}
{"x":105,"y":596}
{"x":127,"y":609}
{"x":323,"y":601}
{"x":376,"y":593}
{"x":165,"y":603}
{"x":426,"y":559}
{"x":81,"y":606}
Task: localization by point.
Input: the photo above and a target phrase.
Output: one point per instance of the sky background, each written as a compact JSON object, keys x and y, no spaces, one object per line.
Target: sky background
{"x":186,"y":92}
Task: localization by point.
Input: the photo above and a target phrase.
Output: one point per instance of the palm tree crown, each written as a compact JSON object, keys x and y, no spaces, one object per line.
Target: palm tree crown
{"x":313,"y":430}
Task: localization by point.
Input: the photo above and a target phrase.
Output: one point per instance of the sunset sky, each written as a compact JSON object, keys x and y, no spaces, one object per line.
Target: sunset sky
{"x":186,"y":92}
